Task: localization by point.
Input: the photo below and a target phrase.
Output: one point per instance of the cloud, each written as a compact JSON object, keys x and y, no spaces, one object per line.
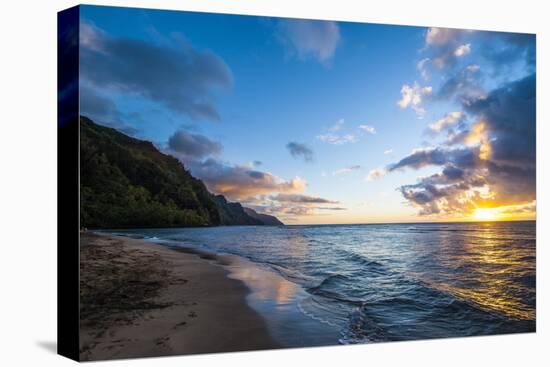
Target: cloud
{"x":489,"y":164}
{"x":442,"y":36}
{"x":487,"y":159}
{"x":337,"y":208}
{"x":462,"y":85}
{"x":238,"y":182}
{"x":290,"y":206}
{"x":315,"y":39}
{"x":422,"y":67}
{"x":388,"y":151}
{"x":462,"y":50}
{"x":194,"y":146}
{"x":334,"y":137}
{"x":368,"y":129}
{"x":432,"y":200}
{"x":519,"y":209}
{"x":346,"y":170}
{"x":501,"y":53}
{"x":337,"y":139}
{"x":436,"y":156}
{"x":457,"y":191}
{"x":302,"y":199}
{"x":445,"y":45}
{"x":444,"y":49}
{"x":103,"y":111}
{"x":472,"y":68}
{"x":411,"y":96}
{"x":449,"y":120}
{"x":177,"y":76}
{"x":291,"y":213}
{"x":298,"y":150}
{"x":508,"y":114}
{"x":376,"y":173}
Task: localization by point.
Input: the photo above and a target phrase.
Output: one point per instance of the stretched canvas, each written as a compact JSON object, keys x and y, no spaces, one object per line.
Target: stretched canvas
{"x":235,"y":183}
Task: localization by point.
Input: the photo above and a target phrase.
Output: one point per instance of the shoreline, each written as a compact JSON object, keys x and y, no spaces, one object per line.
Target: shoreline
{"x":142,"y":299}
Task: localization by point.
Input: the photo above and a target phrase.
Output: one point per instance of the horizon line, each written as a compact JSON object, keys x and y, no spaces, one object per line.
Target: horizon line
{"x":426,"y":222}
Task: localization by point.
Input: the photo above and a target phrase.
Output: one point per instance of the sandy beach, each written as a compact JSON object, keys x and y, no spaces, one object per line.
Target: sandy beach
{"x":141,"y":299}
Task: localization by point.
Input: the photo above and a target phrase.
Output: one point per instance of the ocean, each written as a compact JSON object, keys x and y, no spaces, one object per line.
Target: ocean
{"x":386,"y":282}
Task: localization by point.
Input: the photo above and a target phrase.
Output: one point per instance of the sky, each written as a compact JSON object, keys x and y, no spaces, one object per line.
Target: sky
{"x":322,"y":122}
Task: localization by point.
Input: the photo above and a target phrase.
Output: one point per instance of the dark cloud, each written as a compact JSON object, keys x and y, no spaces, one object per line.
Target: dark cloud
{"x":298,"y":150}
{"x":303,"y":199}
{"x":512,"y":184}
{"x":509,"y":116}
{"x":459,"y":157}
{"x":193,"y":146}
{"x":179,"y":77}
{"x":239,"y":182}
{"x":103,"y":110}
{"x":453,"y":173}
{"x":450,"y":192}
{"x":256,"y":174}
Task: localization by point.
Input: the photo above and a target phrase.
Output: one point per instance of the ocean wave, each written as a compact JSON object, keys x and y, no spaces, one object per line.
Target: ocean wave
{"x":313,"y":315}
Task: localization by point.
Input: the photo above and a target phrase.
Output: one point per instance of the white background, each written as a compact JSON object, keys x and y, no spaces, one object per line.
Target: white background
{"x":28,"y":182}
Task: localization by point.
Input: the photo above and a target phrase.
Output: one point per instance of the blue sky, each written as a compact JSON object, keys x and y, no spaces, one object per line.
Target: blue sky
{"x":291,"y":117}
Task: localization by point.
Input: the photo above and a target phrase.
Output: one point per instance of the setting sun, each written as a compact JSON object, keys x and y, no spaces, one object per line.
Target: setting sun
{"x":485,"y":214}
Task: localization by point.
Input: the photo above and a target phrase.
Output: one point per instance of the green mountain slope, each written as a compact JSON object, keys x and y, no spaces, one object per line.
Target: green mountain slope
{"x":128,"y":183}
{"x":268,"y":220}
{"x":234,"y":213}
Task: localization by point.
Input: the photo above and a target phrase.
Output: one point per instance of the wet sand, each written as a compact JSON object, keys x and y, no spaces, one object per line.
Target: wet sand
{"x":140,"y":299}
